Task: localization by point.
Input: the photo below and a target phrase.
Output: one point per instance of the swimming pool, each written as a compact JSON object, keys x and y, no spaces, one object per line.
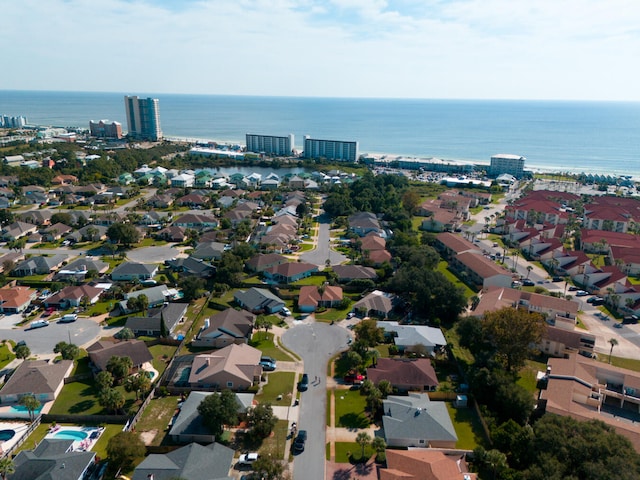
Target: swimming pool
{"x":22,"y":409}
{"x":76,"y":435}
{"x":6,"y":435}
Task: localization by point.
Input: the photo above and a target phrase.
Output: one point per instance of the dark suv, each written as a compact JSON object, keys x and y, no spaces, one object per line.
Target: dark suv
{"x":298,"y":443}
{"x":304,"y":382}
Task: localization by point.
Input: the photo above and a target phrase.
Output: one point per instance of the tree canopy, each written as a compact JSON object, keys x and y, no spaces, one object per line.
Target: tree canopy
{"x":218,"y":410}
{"x":125,"y":449}
{"x":123,"y":233}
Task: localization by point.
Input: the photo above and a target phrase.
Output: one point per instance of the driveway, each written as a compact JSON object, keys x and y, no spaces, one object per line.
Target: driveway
{"x":316,"y":343}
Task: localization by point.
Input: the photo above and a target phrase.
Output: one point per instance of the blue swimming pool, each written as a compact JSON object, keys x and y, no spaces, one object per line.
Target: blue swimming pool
{"x":76,"y":435}
{"x":22,"y":409}
{"x":6,"y":435}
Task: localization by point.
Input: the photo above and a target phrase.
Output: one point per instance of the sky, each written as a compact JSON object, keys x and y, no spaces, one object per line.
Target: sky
{"x":466,"y":49}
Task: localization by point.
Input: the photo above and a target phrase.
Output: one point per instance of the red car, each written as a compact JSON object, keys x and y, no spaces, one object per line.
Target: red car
{"x":354,"y":379}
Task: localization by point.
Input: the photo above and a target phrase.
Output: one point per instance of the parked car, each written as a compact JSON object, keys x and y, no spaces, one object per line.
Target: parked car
{"x":617,"y":325}
{"x":268,"y":364}
{"x":556,"y":279}
{"x":39,"y":324}
{"x":528,"y":283}
{"x":573,"y":288}
{"x":285,"y":311}
{"x":304,"y":382}
{"x":581,"y":293}
{"x":354,"y":378}
{"x":298,"y":443}
{"x":630,"y":319}
{"x":248,"y":458}
{"x":70,"y":317}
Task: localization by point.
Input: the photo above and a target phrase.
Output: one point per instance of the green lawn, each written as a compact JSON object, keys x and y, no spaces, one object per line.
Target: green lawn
{"x":149,"y":242}
{"x":80,"y":398}
{"x":442,"y":268}
{"x":264,"y":342}
{"x":81,"y":365}
{"x":344,"y":449}
{"x":629,"y":363}
{"x":350,"y":409}
{"x":461,"y":354}
{"x":161,"y":355}
{"x":157,"y":416}
{"x":333,"y":314}
{"x":98,"y":308}
{"x":280,"y":383}
{"x":110,"y":430}
{"x":468,"y":428}
{"x":275,"y":443}
{"x":316,"y":280}
{"x":5,"y":355}
{"x":527,"y":375}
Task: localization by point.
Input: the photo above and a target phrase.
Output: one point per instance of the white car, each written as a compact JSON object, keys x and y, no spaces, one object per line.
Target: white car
{"x":247,"y":458}
{"x":286,"y":312}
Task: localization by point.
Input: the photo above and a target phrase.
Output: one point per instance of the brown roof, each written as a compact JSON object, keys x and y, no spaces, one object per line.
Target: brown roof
{"x":239,"y":360}
{"x":354,"y":272}
{"x":481,"y":265}
{"x":260,"y":260}
{"x":424,"y":464}
{"x":372,"y":243}
{"x":14,"y":297}
{"x":309,"y":296}
{"x":238,"y":323}
{"x":37,"y":377}
{"x":291,"y":268}
{"x":332,"y":293}
{"x":496,"y":298}
{"x":101,"y":351}
{"x":415,"y":372}
{"x":455,"y":242}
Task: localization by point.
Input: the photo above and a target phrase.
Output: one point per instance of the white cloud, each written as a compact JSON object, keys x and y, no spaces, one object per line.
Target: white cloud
{"x":402,"y":48}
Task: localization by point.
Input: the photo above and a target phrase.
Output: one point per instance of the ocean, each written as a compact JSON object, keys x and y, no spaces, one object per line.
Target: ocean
{"x":596,"y":137}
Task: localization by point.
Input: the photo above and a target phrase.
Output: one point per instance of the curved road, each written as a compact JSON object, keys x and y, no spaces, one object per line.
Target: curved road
{"x":316,"y":343}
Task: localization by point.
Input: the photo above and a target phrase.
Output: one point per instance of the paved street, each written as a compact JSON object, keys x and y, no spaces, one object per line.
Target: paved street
{"x":322,"y":251}
{"x":316,"y":343}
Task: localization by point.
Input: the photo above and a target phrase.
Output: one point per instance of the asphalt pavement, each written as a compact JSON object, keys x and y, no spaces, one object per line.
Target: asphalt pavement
{"x":316,"y":343}
{"x":323,"y":251}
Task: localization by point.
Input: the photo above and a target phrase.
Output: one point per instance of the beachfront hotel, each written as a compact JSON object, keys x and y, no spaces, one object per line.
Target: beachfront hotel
{"x":270,"y":144}
{"x":143,"y":118}
{"x":507,"y":163}
{"x":330,"y":149}
{"x":105,"y":129}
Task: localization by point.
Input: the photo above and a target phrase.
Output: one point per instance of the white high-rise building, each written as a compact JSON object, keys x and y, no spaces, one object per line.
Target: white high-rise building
{"x":330,"y":149}
{"x":507,"y":163}
{"x":270,"y":144}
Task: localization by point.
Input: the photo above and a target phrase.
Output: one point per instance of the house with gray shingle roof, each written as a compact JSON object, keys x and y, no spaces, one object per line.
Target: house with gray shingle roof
{"x":376,"y":304}
{"x":53,"y":459}
{"x":209,"y":251}
{"x":224,"y":328}
{"x":128,"y":271}
{"x":169,"y":314}
{"x":17,"y":230}
{"x":416,"y":421}
{"x":40,"y":378}
{"x":38,"y":265}
{"x":189,"y":426}
{"x":258,"y":300}
{"x":193,"y":461}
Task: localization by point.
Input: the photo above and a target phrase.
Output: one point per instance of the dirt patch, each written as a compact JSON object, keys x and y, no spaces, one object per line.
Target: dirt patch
{"x":148,"y":436}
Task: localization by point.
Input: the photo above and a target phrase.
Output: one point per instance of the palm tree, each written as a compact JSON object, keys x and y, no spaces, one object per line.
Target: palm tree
{"x":613,"y":343}
{"x":7,"y":467}
{"x":363,"y":439}
{"x":31,"y":403}
{"x":529,"y":268}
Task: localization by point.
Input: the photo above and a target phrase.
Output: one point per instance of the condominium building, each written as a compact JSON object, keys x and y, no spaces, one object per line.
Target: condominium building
{"x":330,"y":149}
{"x":105,"y":129}
{"x":270,"y":144}
{"x":143,"y":118}
{"x":507,"y":163}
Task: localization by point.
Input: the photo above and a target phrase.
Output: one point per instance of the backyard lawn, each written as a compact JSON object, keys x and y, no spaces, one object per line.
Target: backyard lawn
{"x":264,"y":342}
{"x":5,"y":355}
{"x":527,"y":375}
{"x":80,"y":398}
{"x":156,"y":417}
{"x":345,"y":449}
{"x":279,"y":383}
{"x":468,"y":428}
{"x":350,"y":409}
{"x":161,"y":355}
{"x":442,"y":268}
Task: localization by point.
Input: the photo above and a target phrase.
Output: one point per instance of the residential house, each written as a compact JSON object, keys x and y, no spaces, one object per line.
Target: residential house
{"x":416,"y":421}
{"x":55,"y":232}
{"x":198,"y":222}
{"x":191,"y":266}
{"x":209,"y":251}
{"x":376,"y":304}
{"x":17,"y":230}
{"x":53,"y":459}
{"x":160,"y":201}
{"x":224,"y":328}
{"x":612,"y":213}
{"x":236,"y":367}
{"x":128,"y":271}
{"x":172,"y":234}
{"x":550,"y":307}
{"x":39,"y":378}
{"x":37,"y":217}
{"x":424,"y":464}
{"x":101,"y":351}
{"x":258,"y":300}
{"x":347,"y":273}
{"x":156,"y":296}
{"x":9,"y":259}
{"x":183,"y":180}
{"x":290,"y":272}
{"x":262,"y":262}
{"x":481,"y":271}
{"x":72,"y":296}
{"x":587,"y":389}
{"x":189,"y":426}
{"x":16,"y":299}
{"x":193,"y":461}
{"x":38,"y":265}
{"x":409,"y":338}
{"x":363,"y":223}
{"x":79,"y":268}
{"x":160,"y":321}
{"x":89,"y":233}
{"x":311,"y":297}
{"x":404,"y":374}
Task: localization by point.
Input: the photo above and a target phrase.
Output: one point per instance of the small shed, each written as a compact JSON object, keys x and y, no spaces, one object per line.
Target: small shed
{"x":460,"y":402}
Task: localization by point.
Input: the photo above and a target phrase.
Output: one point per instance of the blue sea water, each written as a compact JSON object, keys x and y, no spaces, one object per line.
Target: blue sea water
{"x":602,"y":137}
